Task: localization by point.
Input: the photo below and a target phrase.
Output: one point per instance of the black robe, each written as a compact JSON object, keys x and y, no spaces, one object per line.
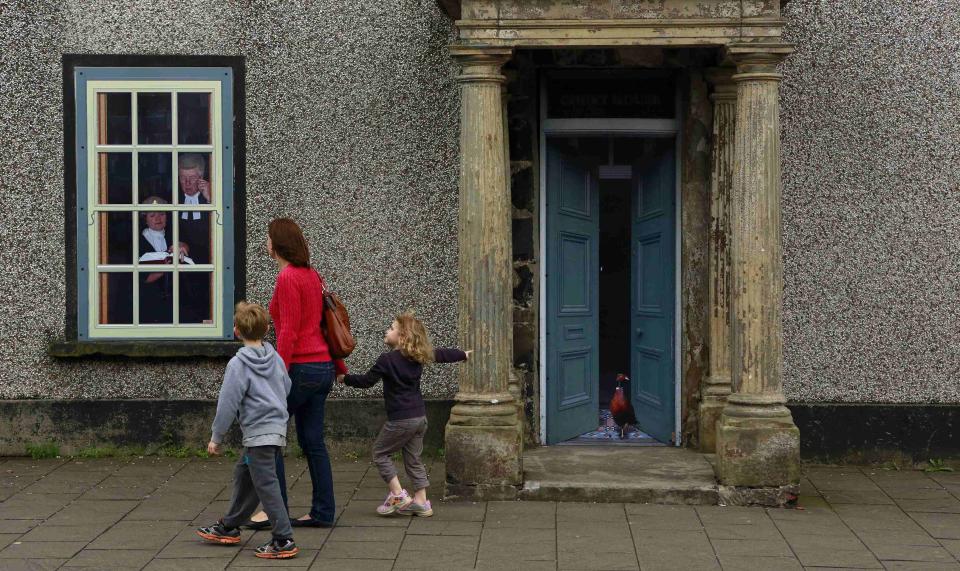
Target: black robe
{"x":156,"y":298}
{"x":195,"y":308}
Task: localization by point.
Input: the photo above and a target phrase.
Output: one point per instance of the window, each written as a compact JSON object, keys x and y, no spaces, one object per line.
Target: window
{"x":155,"y":244}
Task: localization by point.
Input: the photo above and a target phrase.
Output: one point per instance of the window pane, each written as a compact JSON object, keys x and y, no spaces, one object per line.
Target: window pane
{"x":154,"y":123}
{"x":116,"y":230}
{"x":113,"y":116}
{"x":193,"y":174}
{"x":193,"y":118}
{"x":196,"y":293}
{"x":156,"y":297}
{"x":116,"y":298}
{"x":115,"y":175}
{"x":155,"y":178}
{"x":195,"y":231}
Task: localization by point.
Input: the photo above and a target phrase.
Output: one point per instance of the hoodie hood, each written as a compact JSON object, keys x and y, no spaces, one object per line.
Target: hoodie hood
{"x":261,"y":361}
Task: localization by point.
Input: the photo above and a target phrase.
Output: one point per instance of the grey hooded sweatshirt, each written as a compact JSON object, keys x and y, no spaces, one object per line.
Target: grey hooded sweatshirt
{"x":255,"y":389}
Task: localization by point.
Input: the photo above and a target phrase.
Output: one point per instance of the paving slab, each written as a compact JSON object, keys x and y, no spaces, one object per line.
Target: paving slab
{"x":138,"y":535}
{"x":207,"y":564}
{"x":759,"y":563}
{"x":45,"y":532}
{"x":659,"y":517}
{"x":940,"y":525}
{"x":854,"y":559}
{"x":41,"y":549}
{"x":324,"y":564}
{"x":33,"y":564}
{"x":359,"y":550}
{"x":919,"y":566}
{"x":112,"y":559}
{"x":748,"y":547}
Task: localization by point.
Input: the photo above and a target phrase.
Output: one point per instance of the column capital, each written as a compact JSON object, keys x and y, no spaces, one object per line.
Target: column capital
{"x":758,"y":62}
{"x":479,"y":65}
{"x":721,"y":80}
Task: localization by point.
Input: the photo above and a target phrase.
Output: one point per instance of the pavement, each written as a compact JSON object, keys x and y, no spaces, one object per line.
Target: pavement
{"x":140,"y":513}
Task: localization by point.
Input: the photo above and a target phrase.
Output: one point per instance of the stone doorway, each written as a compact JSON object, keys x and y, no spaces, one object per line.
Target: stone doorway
{"x":732,"y":341}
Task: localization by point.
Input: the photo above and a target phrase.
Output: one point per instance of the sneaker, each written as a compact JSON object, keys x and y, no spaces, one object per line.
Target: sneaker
{"x":277,"y":548}
{"x":394,"y":503}
{"x":219,"y":533}
{"x":421,"y":510}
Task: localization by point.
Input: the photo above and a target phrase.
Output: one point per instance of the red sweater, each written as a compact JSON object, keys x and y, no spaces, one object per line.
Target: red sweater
{"x":296,"y":309}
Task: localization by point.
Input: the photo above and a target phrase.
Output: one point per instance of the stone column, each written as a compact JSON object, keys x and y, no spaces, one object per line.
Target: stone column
{"x":483,"y":437}
{"x":716,"y":387}
{"x":758,"y":445}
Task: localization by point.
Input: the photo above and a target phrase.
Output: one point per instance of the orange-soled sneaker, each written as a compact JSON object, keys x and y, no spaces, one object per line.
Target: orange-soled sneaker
{"x":219,"y":533}
{"x":278,"y":548}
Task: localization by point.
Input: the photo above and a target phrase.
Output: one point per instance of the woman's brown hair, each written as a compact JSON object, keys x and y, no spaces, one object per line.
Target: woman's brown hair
{"x":289,"y":243}
{"x":414,"y":339}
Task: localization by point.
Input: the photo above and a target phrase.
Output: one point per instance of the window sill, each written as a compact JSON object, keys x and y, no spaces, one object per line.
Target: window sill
{"x":142,"y":348}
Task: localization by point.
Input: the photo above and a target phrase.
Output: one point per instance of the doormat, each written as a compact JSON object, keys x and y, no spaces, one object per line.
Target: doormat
{"x":608,"y":433}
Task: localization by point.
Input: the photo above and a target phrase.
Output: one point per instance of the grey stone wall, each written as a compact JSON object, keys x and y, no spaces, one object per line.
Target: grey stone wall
{"x":352,"y":129}
{"x":352,"y":115}
{"x":871,"y":201}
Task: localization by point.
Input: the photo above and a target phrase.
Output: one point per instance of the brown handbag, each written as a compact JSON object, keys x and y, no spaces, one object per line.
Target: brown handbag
{"x":335,"y":323}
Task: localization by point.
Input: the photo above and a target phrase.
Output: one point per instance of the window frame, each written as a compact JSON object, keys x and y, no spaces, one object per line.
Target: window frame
{"x":78,"y":71}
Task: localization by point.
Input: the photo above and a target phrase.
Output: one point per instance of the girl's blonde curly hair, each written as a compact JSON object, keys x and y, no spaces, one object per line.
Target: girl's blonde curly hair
{"x":414,"y":339}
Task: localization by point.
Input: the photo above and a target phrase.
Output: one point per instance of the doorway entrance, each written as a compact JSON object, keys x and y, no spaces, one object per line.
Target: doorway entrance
{"x":610,"y":274}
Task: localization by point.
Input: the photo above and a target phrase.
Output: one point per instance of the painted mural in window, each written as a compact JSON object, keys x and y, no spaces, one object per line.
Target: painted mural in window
{"x":155,"y":233}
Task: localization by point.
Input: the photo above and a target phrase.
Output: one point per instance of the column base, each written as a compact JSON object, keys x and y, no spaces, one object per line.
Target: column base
{"x":758,"y":445}
{"x":714,"y":400}
{"x":483,"y":448}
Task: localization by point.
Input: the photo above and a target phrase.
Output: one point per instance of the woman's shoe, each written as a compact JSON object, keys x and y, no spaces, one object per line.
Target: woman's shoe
{"x":310,"y":523}
{"x":257,"y":525}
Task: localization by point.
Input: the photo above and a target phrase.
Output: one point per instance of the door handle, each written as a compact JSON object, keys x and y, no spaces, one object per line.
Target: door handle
{"x":639,"y":333}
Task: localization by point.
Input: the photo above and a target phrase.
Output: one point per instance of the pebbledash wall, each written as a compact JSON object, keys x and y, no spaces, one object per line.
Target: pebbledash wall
{"x":352,"y":128}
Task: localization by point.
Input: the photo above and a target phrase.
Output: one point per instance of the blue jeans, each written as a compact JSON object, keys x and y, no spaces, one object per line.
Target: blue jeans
{"x":306,"y":402}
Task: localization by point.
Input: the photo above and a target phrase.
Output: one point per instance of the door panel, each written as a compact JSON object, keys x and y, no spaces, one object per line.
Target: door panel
{"x":572,"y":292}
{"x":652,"y":354}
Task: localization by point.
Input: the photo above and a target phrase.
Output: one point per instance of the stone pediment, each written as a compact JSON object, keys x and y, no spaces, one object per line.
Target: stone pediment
{"x":546,"y":23}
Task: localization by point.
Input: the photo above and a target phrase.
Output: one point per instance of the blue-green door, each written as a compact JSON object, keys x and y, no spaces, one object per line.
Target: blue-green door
{"x":654,"y":285}
{"x":572,"y":205}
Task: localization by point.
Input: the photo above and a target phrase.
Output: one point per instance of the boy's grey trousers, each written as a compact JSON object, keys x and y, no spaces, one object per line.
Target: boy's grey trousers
{"x":255,"y":482}
{"x":406,"y":435}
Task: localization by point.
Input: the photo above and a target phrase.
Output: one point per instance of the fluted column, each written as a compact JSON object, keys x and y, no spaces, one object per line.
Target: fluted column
{"x":716,"y":386}
{"x":482,"y":436}
{"x":758,"y":444}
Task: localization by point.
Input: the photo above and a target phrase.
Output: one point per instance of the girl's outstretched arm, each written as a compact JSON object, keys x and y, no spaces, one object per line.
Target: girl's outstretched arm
{"x":449,"y":355}
{"x":372,"y":377}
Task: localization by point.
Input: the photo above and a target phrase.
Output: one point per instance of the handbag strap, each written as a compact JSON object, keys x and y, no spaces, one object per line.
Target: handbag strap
{"x":323,"y":283}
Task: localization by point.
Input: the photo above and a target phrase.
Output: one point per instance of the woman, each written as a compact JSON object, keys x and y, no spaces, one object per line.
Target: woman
{"x":296,"y":311}
{"x":156,"y":288}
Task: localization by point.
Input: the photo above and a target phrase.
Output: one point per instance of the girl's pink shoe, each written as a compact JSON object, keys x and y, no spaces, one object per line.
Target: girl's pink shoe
{"x":394,"y":503}
{"x":421,"y":510}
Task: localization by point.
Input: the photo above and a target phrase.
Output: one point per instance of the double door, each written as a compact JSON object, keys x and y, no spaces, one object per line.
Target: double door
{"x":573,"y":177}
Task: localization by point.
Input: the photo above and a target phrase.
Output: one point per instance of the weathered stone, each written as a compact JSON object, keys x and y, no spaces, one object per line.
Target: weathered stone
{"x":777,"y":496}
{"x":758,"y":452}
{"x":716,"y":386}
{"x":758,"y":444}
{"x":483,"y":443}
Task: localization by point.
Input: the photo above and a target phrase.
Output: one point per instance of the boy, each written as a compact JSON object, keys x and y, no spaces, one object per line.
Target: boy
{"x":255,"y":389}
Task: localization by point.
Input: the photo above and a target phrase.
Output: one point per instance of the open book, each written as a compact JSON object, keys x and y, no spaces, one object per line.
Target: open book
{"x":160,"y":257}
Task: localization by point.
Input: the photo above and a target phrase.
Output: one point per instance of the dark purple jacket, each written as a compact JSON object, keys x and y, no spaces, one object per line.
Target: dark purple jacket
{"x":401,"y":381}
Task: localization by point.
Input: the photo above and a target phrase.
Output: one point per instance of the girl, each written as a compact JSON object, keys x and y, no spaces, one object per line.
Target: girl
{"x":400,"y":370}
